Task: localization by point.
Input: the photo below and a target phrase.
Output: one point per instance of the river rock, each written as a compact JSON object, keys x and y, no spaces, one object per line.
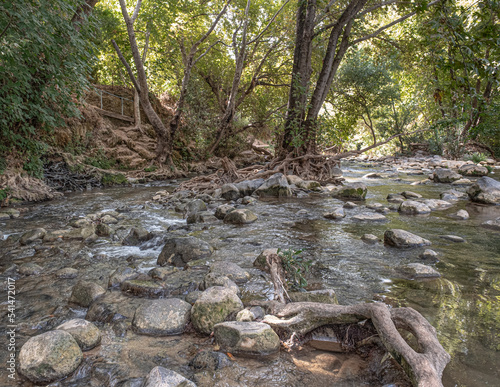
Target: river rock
{"x":485,"y":190}
{"x":30,"y":268}
{"x":84,"y":233}
{"x":49,"y":357}
{"x":336,"y":172}
{"x":437,"y":204}
{"x":453,"y":194}
{"x":412,"y":207}
{"x":230,"y":192}
{"x":195,"y":206}
{"x":350,"y":205}
{"x":248,"y":187}
{"x":395,"y":198}
{"x":462,"y":182}
{"x":411,"y":195}
{"x":217,"y":279}
{"x":162,"y":377}
{"x":162,"y":317}
{"x":453,"y":238}
{"x":223,"y":210}
{"x":32,"y":235}
{"x":403,"y":239}
{"x":369,"y":238}
{"x":337,"y":213}
{"x":67,"y":273}
{"x":443,"y":175}
{"x":213,"y":306}
{"x":247,"y":338}
{"x":162,"y":273}
{"x":461,"y":214}
{"x":108,"y":219}
{"x":324,"y":296}
{"x":420,"y":271}
{"x":201,"y":217}
{"x":84,"y":293}
{"x":369,"y":217}
{"x":493,"y":224}
{"x":275,"y":186}
{"x":473,"y":170}
{"x":372,"y":175}
{"x":136,"y":236}
{"x":309,"y":185}
{"x":86,"y":334}
{"x":180,"y":250}
{"x":356,"y":191}
{"x":210,"y":360}
{"x":103,"y":230}
{"x":240,"y":216}
{"x":294,"y":180}
{"x":11,"y":213}
{"x":143,"y":288}
{"x":231,"y":270}
{"x":429,"y":255}
{"x":121,"y":274}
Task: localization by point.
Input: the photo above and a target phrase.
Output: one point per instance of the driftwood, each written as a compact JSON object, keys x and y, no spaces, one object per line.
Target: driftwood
{"x":425,"y":367}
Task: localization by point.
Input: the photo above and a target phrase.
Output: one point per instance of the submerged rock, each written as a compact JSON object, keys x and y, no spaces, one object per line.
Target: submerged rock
{"x":369,"y":217}
{"x":120,"y":275}
{"x":453,"y":238}
{"x":30,"y":268}
{"x":418,"y":271}
{"x":85,"y":292}
{"x":32,"y":235}
{"x":49,"y":357}
{"x":247,"y":338}
{"x":180,"y":250}
{"x":162,"y":317}
{"x":337,"y":213}
{"x":492,"y":224}
{"x":162,"y":377}
{"x":86,"y":334}
{"x":485,"y":190}
{"x":136,"y":236}
{"x":213,"y":306}
{"x":67,"y":272}
{"x":461,"y":214}
{"x":210,"y":360}
{"x":404,"y":239}
{"x":143,"y":288}
{"x":324,"y":296}
{"x":369,"y":238}
{"x":429,"y":255}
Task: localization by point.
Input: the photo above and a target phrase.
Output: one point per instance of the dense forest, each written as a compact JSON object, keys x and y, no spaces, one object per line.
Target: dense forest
{"x":304,"y":76}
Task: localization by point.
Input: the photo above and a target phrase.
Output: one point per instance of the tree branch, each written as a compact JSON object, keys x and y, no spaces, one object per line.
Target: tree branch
{"x":136,"y":10}
{"x":269,"y":24}
{"x":127,"y":66}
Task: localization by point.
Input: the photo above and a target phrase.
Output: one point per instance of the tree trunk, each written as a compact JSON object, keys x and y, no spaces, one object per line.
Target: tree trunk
{"x":137,"y":109}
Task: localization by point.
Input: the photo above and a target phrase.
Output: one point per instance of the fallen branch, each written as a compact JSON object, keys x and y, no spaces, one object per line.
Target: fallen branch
{"x":425,"y":368}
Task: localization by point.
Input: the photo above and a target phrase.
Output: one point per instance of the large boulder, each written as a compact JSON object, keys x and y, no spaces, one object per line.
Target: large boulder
{"x":355,"y":191}
{"x":85,"y":292}
{"x":240,"y":216}
{"x":162,"y":377}
{"x":485,"y":190}
{"x":213,"y":306}
{"x":162,"y":317}
{"x":413,"y":207}
{"x":473,"y":170}
{"x":403,"y":239}
{"x":49,"y":357}
{"x":86,"y":334}
{"x":180,"y":250}
{"x":247,"y":338}
{"x":276,"y":186}
{"x":444,"y":175}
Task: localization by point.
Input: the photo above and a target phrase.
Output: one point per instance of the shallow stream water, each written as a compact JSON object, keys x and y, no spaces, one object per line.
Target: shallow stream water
{"x":463,"y":305}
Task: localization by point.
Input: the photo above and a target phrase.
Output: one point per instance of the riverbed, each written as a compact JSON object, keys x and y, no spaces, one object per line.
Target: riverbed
{"x":463,"y":305}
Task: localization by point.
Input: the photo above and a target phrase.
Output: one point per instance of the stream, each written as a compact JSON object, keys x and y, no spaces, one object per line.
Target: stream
{"x":463,"y":305}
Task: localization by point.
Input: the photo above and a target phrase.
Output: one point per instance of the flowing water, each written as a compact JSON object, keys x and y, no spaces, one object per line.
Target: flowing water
{"x":463,"y":305}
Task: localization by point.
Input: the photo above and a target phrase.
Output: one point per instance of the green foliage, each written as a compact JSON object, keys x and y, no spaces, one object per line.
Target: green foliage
{"x":4,"y":193}
{"x":43,"y":65}
{"x":476,"y":157}
{"x":100,"y":160}
{"x":109,"y":179}
{"x":295,"y":267}
{"x":151,"y":168}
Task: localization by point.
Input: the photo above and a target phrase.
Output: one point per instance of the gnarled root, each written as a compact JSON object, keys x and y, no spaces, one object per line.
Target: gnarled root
{"x":425,"y":368}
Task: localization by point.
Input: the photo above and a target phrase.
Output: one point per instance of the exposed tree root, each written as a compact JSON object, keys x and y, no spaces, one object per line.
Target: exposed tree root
{"x":425,"y":367}
{"x":26,"y":188}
